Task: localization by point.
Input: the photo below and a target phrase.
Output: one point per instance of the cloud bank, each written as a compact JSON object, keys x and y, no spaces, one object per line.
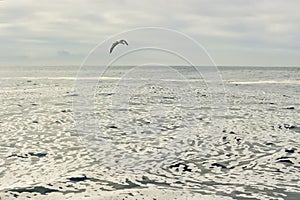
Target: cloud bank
{"x":236,"y":32}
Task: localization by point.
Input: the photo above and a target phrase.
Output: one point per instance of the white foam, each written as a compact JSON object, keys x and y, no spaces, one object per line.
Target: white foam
{"x":265,"y":82}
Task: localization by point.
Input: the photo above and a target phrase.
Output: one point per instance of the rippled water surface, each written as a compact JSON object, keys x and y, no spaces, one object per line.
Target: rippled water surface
{"x":149,"y":136}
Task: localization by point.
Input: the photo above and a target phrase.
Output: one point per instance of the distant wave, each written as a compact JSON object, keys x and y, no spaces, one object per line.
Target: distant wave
{"x":58,"y":78}
{"x":95,"y":78}
{"x":265,"y":82}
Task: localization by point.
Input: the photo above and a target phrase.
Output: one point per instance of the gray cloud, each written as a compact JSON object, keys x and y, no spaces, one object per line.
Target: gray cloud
{"x":234,"y":32}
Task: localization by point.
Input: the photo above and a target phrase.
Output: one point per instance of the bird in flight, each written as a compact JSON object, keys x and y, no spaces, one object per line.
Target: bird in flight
{"x":116,"y":43}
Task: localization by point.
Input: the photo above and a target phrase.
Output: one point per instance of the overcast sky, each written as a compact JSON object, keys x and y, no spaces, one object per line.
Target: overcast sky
{"x":234,"y":32}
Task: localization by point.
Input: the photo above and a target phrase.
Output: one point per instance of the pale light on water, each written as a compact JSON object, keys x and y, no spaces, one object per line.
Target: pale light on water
{"x":257,"y":155}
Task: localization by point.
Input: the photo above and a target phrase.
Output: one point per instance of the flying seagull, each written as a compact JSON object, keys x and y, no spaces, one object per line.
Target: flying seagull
{"x":116,"y":43}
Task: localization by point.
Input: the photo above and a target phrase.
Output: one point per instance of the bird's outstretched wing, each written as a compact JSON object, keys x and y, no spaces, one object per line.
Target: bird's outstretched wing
{"x":124,"y":41}
{"x":113,"y":46}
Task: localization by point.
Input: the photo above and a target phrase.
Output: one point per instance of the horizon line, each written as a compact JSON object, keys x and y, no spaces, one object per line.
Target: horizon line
{"x":173,"y":65}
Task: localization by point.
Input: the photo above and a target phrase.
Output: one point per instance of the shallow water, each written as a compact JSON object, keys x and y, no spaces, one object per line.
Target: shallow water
{"x":153,"y":143}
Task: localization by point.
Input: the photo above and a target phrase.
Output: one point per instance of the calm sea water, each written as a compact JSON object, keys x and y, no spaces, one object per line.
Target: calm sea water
{"x":152,"y":133}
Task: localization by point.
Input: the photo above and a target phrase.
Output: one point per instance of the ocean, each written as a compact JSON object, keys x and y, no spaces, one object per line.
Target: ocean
{"x":149,"y":132}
